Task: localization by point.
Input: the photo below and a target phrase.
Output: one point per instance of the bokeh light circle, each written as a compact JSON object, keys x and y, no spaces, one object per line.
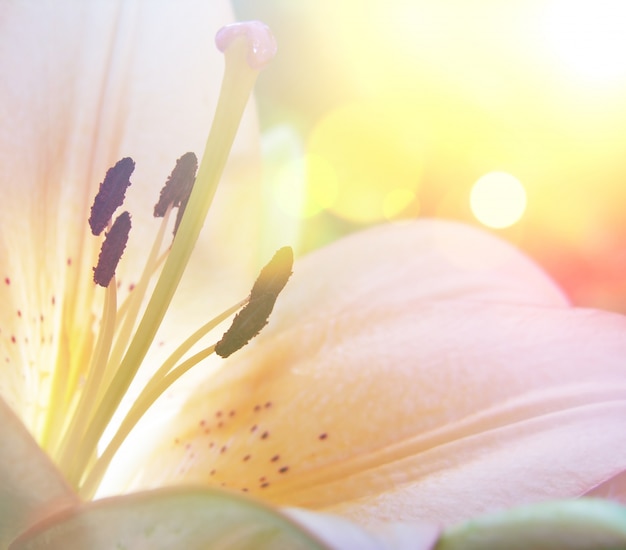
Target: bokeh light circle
{"x":498,"y":199}
{"x":321,"y":186}
{"x":375,"y":152}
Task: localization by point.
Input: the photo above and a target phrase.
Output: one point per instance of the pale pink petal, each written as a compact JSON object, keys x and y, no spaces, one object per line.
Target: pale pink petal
{"x":418,"y":372}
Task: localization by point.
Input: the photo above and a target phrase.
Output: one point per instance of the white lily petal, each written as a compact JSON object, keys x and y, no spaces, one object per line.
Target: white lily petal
{"x":85,"y":84}
{"x":339,"y":533}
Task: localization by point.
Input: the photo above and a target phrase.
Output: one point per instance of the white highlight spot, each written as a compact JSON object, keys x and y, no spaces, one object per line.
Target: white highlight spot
{"x":498,"y":199}
{"x":589,"y":36}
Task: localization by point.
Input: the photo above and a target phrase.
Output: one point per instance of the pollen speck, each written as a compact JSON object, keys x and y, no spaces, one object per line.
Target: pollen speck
{"x":323,"y":436}
{"x":283,"y":470}
{"x":246,"y":458}
{"x":254,"y":428}
{"x":264,"y":485}
{"x":275,"y":458}
{"x":265,"y":435}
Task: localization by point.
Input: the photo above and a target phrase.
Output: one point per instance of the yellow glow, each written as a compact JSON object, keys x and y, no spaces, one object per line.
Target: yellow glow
{"x":321,"y":186}
{"x":498,"y":199}
{"x":373,"y":151}
{"x":396,"y":201}
{"x":589,"y":37}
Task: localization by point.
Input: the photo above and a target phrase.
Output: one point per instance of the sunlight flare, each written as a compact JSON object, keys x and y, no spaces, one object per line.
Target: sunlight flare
{"x":498,"y":199}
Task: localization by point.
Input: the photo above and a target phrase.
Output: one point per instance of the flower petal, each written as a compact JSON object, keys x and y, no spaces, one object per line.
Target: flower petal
{"x":173,"y":518}
{"x":397,"y":383}
{"x":83,"y":86}
{"x":339,"y":533}
{"x":30,"y":485}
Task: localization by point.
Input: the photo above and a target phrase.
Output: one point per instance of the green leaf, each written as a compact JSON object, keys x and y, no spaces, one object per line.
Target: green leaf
{"x":185,"y":518}
{"x":31,"y":487}
{"x":565,"y":525}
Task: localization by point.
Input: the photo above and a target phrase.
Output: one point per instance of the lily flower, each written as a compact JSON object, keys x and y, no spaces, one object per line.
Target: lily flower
{"x":77,"y":322}
{"x":400,"y":381}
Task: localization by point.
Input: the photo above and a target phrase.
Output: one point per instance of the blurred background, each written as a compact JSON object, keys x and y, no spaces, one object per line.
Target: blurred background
{"x":510,"y":115}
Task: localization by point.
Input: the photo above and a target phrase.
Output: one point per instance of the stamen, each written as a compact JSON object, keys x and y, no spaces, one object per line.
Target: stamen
{"x":112,"y":249}
{"x":244,"y":58}
{"x":178,"y":186}
{"x":246,"y":325}
{"x":275,"y":274}
{"x":252,"y":318}
{"x":110,"y":194}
